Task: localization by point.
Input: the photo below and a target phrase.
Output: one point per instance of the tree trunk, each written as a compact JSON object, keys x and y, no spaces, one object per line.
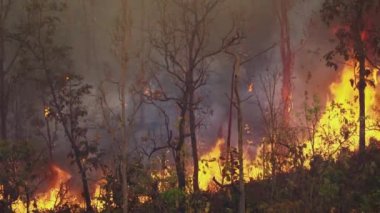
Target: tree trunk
{"x":50,"y":142}
{"x":179,"y":154}
{"x":126,"y":34}
{"x":361,"y":57}
{"x":75,"y":148}
{"x":194,"y":149}
{"x":193,"y":137}
{"x":124,"y":151}
{"x":240,"y":136}
{"x":27,"y":194}
{"x":3,"y":96}
{"x":228,"y":143}
{"x":82,"y":171}
{"x":287,"y":58}
{"x":361,"y":88}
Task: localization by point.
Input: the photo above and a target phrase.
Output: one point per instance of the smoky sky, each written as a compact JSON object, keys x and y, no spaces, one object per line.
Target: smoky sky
{"x":89,"y":26}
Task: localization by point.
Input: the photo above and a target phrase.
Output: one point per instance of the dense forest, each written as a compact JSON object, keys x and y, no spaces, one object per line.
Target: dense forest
{"x":189,"y":106}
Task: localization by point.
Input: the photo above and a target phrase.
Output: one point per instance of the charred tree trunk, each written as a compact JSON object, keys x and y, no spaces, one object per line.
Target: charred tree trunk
{"x":83,"y":174}
{"x":27,"y":194}
{"x":179,"y":155}
{"x":194,"y":147}
{"x":360,"y":51}
{"x":361,"y":89}
{"x":360,"y":54}
{"x":228,"y":143}
{"x":193,"y":127}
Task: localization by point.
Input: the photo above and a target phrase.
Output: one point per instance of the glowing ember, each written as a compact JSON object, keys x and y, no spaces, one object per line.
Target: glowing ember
{"x":250,"y":87}
{"x":47,"y":111}
{"x":143,"y":199}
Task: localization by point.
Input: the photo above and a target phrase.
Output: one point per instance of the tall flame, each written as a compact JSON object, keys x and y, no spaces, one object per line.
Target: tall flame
{"x":57,"y":194}
{"x":340,"y":119}
{"x":341,"y":115}
{"x":53,"y":196}
{"x":211,"y":167}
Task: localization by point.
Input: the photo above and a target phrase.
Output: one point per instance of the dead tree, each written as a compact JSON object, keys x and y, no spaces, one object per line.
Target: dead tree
{"x":122,"y":39}
{"x":237,"y":102}
{"x":182,"y":42}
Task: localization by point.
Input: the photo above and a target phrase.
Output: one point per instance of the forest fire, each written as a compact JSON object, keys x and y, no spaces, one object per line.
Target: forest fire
{"x":189,"y":106}
{"x":212,"y":165}
{"x":337,"y":129}
{"x":338,"y":124}
{"x":57,"y":194}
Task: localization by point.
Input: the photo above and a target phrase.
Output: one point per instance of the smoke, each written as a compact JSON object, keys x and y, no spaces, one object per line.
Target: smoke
{"x":88,"y":27}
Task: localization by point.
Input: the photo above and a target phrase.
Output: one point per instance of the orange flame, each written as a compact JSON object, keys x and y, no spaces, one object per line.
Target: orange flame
{"x":57,"y":194}
{"x":211,"y":167}
{"x":334,"y":120}
{"x":250,"y":87}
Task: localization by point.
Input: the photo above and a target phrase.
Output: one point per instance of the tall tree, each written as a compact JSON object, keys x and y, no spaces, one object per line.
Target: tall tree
{"x":122,"y":42}
{"x":66,"y":90}
{"x":287,"y":56}
{"x":358,"y":40}
{"x":182,"y":40}
{"x":237,"y":102}
{"x":10,"y":49}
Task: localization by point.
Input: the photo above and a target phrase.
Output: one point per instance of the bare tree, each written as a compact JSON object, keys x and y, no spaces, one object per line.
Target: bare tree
{"x":124,"y":36}
{"x":237,"y":102}
{"x":10,"y":49}
{"x":271,"y":112}
{"x":182,"y":41}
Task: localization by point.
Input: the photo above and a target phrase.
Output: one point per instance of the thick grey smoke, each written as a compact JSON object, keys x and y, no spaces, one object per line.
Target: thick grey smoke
{"x":90,"y":25}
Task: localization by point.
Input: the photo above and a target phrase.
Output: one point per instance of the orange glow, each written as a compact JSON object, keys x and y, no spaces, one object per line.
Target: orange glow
{"x":364,"y":35}
{"x":340,"y":119}
{"x":211,"y":167}
{"x":54,"y":196}
{"x":57,"y":194}
{"x":47,"y":111}
{"x":143,"y":198}
{"x":250,"y":87}
{"x":161,"y":177}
